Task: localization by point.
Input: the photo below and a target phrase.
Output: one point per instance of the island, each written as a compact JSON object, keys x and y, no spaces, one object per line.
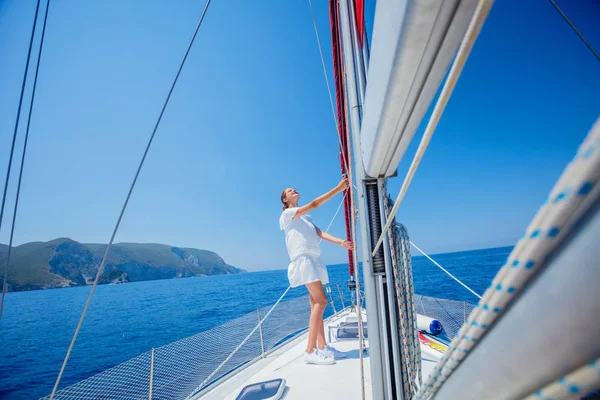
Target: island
{"x":64,"y":262}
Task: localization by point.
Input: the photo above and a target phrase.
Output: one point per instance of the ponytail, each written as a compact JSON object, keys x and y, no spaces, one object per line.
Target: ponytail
{"x":285,"y":205}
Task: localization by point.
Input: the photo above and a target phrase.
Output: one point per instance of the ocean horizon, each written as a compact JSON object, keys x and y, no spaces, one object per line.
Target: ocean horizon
{"x":128,"y":319}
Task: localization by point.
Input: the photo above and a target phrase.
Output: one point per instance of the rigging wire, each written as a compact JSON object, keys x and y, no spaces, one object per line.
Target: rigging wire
{"x":101,"y":267}
{"x":14,"y":138}
{"x":583,"y":39}
{"x":337,"y":127}
{"x":12,"y":229}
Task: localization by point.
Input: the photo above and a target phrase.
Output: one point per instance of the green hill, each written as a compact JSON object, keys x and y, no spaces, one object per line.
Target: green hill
{"x":64,"y":262}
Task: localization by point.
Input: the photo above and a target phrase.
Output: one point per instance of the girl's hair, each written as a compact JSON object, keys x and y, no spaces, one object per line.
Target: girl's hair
{"x":285,"y":205}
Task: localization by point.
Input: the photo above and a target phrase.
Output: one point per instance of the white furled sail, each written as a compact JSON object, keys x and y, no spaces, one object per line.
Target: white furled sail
{"x":413,"y":45}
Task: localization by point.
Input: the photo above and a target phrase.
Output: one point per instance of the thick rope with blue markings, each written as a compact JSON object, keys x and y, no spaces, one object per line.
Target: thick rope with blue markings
{"x":573,"y":195}
{"x":577,"y":383}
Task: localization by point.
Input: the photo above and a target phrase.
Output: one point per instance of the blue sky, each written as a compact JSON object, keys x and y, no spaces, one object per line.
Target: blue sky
{"x":251,"y":115}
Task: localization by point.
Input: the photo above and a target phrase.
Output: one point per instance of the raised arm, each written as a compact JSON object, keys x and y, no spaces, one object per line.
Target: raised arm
{"x":319,"y":201}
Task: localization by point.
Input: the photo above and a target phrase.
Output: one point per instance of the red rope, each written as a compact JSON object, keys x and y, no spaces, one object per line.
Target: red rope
{"x":338,"y":71}
{"x":359,"y":6}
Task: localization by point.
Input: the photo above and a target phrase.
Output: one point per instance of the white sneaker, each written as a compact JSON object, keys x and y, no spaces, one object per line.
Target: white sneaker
{"x":334,"y":353}
{"x":318,"y":357}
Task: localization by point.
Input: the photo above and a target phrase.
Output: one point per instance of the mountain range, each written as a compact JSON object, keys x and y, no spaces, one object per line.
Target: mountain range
{"x":64,"y":262}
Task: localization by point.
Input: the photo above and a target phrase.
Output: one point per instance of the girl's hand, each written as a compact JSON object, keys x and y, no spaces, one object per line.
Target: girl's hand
{"x":343,"y":185}
{"x":347,"y":244}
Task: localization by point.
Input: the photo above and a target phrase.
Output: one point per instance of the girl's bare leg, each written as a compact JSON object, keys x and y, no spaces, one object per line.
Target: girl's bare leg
{"x":315,"y":327}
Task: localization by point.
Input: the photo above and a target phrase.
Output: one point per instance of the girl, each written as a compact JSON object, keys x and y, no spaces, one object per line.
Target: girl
{"x":306,"y":268}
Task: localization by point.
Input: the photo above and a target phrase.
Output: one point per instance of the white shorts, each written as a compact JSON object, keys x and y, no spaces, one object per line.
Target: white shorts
{"x":306,"y":269}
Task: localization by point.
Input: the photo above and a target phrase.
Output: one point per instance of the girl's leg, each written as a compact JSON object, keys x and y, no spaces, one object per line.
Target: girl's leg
{"x":321,"y":342}
{"x":315,"y":326}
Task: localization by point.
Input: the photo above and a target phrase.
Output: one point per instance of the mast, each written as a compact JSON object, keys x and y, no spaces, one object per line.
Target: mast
{"x":383,"y":349}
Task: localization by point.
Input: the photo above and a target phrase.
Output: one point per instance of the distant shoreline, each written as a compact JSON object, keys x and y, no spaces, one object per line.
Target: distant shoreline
{"x":63,"y":262}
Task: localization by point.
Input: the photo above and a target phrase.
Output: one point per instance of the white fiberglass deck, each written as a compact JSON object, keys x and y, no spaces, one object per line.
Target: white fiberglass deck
{"x":303,"y":381}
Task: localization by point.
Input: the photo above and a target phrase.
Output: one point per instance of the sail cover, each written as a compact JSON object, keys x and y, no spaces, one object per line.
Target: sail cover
{"x":413,"y":44}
